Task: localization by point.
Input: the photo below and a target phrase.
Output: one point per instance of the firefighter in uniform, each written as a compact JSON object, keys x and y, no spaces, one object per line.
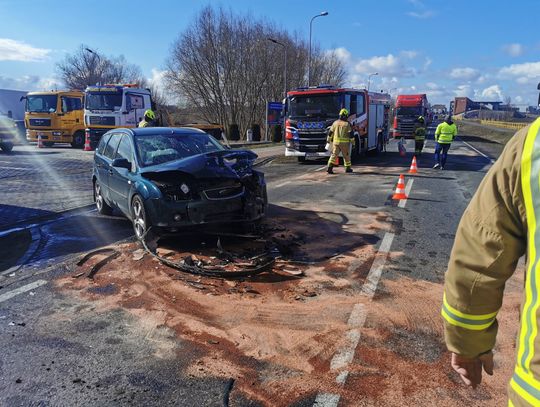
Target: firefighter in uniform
{"x":341,"y":137}
{"x":501,"y":223}
{"x":149,"y":118}
{"x":419,"y":135}
{"x":444,"y":135}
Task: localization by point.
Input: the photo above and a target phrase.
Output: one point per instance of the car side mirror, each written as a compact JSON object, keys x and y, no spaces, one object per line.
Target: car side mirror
{"x":121,"y":163}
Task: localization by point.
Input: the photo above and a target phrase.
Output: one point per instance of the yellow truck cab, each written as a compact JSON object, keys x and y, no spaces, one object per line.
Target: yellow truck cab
{"x":58,"y":116}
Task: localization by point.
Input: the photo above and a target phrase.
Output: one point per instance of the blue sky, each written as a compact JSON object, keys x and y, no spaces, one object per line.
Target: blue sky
{"x":487,"y":50}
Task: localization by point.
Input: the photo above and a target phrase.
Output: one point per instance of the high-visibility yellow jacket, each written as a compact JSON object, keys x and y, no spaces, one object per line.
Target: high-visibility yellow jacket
{"x":340,"y":132}
{"x":144,"y":123}
{"x":501,"y":223}
{"x":445,"y":133}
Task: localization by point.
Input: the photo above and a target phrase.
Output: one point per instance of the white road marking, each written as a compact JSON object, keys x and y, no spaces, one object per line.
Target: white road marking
{"x":282,"y":184}
{"x":320,"y":169}
{"x":14,"y":168}
{"x":408,"y":188}
{"x":344,"y":356}
{"x":491,"y":160}
{"x":23,"y":289}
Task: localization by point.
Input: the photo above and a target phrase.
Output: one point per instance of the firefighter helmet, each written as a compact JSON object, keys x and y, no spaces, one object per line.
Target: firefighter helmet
{"x":344,"y":112}
{"x":149,"y":114}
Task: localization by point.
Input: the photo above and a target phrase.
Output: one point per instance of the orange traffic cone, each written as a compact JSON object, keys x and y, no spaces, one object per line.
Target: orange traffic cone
{"x":40,"y":142}
{"x":414,"y":167}
{"x":87,"y":146}
{"x":400,"y":189}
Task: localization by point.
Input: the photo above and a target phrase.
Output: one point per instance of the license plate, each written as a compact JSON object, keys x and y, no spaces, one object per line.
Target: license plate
{"x":312,"y":155}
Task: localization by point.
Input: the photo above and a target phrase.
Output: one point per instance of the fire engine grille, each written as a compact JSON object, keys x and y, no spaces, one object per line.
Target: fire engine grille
{"x":311,"y":142}
{"x":406,"y":128}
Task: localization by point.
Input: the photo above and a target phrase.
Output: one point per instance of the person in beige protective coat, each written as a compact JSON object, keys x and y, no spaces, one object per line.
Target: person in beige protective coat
{"x":340,"y":135}
{"x":501,"y":223}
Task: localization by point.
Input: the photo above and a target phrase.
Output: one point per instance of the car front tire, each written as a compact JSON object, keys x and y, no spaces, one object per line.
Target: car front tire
{"x":102,"y":207}
{"x":6,"y":147}
{"x":139,"y":218}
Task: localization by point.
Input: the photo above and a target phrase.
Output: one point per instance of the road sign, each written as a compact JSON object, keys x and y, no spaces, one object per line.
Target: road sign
{"x":273,"y":110}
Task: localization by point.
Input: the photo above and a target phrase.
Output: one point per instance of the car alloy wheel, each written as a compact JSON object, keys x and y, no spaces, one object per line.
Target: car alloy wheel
{"x":139,"y":217}
{"x":101,"y":205}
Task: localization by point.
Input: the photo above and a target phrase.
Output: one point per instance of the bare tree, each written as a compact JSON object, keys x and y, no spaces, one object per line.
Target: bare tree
{"x":224,"y":66}
{"x":85,"y":67}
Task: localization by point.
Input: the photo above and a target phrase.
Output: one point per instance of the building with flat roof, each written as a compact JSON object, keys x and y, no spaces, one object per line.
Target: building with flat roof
{"x":464,"y":104}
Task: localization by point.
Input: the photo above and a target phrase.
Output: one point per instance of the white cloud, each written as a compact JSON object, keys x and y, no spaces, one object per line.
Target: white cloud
{"x":421,"y":15}
{"x":493,"y":92}
{"x":464,"y":91}
{"x":342,"y":53}
{"x":518,"y":99}
{"x":28,"y":83}
{"x":12,"y":50}
{"x":388,"y":65}
{"x":528,"y":72}
{"x":464,"y":73}
{"x":514,"y":50}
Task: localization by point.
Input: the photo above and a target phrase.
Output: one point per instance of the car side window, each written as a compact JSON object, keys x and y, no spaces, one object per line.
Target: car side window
{"x":103,"y":143}
{"x":110,"y":150}
{"x":124,"y":149}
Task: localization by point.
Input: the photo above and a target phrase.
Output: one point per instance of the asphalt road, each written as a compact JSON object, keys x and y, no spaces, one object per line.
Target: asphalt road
{"x":61,"y":347}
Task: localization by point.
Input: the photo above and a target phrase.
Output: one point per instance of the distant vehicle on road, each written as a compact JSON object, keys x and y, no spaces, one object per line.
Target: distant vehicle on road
{"x":170,"y":178}
{"x":8,"y":133}
{"x":57,"y":116}
{"x":408,"y":109}
{"x":309,"y":112}
{"x":114,"y":106}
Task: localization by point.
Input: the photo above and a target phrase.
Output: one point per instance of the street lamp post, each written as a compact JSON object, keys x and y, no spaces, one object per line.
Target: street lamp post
{"x":324,"y":13}
{"x":284,"y":65}
{"x":96,"y":55}
{"x":369,"y":79}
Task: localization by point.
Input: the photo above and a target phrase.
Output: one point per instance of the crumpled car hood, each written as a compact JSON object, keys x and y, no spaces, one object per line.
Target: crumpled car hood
{"x":226,"y":163}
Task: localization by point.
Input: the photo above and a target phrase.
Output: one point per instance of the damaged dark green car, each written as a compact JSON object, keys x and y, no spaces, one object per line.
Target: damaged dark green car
{"x":168,"y":179}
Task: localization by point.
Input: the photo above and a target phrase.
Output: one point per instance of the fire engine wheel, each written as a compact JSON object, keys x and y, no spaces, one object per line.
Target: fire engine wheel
{"x":78,"y":140}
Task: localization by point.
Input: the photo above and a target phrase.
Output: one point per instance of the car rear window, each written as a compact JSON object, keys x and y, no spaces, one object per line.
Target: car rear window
{"x":103,"y":142}
{"x":154,"y":149}
{"x":111,"y":146}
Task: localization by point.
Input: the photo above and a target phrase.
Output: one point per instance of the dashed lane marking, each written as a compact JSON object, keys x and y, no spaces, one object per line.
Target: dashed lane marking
{"x":344,"y":356}
{"x":23,"y":289}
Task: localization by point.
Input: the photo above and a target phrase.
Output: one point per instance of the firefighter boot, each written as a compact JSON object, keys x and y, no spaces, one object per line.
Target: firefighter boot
{"x":330,"y":169}
{"x":348,"y":169}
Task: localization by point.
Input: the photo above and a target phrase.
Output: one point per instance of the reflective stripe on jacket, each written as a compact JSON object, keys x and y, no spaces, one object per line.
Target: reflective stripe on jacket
{"x":340,"y":132}
{"x":144,"y":123}
{"x":501,"y":222}
{"x":445,"y":133}
{"x":420,"y":134}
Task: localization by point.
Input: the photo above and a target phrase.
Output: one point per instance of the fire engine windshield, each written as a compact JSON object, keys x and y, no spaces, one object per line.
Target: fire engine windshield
{"x":41,"y":103}
{"x":104,"y":101}
{"x":314,"y":106}
{"x":409,"y":111}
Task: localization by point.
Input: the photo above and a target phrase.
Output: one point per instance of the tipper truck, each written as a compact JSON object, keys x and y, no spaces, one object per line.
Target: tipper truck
{"x":309,"y":113}
{"x":56,"y":116}
{"x":408,"y":109}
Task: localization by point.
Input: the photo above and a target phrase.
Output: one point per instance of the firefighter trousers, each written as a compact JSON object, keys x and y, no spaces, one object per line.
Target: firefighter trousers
{"x":345,"y":149}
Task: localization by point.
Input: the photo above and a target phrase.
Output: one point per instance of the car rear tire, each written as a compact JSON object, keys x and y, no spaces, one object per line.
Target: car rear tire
{"x":139,"y":218}
{"x":102,"y":207}
{"x":78,"y":139}
{"x":6,"y":147}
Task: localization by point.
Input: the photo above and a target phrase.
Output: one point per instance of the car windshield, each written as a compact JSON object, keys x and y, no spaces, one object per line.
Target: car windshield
{"x":41,"y":103}
{"x":154,"y":149}
{"x":104,"y":101}
{"x":409,"y":111}
{"x":314,"y":106}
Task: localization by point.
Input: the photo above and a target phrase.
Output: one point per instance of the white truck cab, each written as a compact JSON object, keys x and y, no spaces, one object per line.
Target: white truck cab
{"x":112,"y":106}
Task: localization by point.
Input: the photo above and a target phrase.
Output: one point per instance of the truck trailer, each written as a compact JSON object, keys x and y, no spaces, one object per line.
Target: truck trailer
{"x":309,"y":113}
{"x":408,"y":108}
